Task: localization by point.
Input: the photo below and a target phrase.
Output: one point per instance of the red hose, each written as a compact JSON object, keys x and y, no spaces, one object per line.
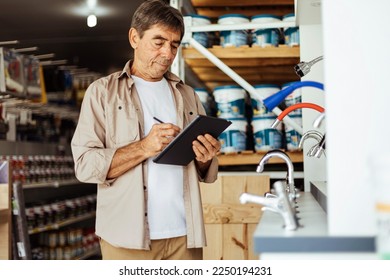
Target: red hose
{"x":300,"y":106}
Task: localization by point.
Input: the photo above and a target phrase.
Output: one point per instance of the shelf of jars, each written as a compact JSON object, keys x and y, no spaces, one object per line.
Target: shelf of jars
{"x":67,"y":244}
{"x":88,"y":254}
{"x":51,"y":184}
{"x":69,"y":221}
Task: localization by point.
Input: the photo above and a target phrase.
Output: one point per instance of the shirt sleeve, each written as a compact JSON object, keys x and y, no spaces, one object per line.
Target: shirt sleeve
{"x":91,"y":156}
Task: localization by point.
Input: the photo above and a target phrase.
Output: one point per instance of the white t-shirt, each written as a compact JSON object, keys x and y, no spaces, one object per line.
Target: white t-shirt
{"x":166,"y":213}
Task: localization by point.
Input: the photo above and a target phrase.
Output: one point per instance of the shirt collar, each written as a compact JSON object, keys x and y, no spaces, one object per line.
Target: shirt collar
{"x":168,"y":75}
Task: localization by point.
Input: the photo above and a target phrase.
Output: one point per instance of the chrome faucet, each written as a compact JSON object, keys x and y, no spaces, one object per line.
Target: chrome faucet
{"x":319,"y":148}
{"x":312,"y":134}
{"x":278,"y":203}
{"x":317,"y":122}
{"x":290,"y":188}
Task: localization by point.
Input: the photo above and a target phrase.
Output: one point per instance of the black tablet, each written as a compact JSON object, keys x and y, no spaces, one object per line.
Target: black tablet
{"x":179,"y":151}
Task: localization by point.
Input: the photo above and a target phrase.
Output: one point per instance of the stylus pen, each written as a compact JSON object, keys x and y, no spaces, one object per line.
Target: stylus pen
{"x":160,"y":121}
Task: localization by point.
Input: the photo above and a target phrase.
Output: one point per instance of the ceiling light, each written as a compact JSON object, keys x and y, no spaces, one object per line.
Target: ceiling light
{"x":91,"y":20}
{"x":91,"y":3}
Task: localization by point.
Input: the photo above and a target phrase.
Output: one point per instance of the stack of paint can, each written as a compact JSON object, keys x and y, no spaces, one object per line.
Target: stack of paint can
{"x":291,"y":34}
{"x":206,"y":99}
{"x":202,"y":37}
{"x":230,"y":102}
{"x":264,"y":137}
{"x":234,"y":38}
{"x":268,"y":36}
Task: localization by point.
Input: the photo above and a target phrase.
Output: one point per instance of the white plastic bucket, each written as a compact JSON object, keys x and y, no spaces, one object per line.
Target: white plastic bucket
{"x":294,"y":97}
{"x":230,"y":101}
{"x":266,"y":138}
{"x":291,"y":34}
{"x":264,"y":90}
{"x":233,"y":37}
{"x":265,"y":37}
{"x":233,"y":139}
{"x":204,"y":98}
{"x":292,"y":136}
{"x":201,"y":37}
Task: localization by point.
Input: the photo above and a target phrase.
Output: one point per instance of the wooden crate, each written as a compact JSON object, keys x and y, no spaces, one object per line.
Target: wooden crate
{"x":229,"y":224}
{"x":5,"y":222}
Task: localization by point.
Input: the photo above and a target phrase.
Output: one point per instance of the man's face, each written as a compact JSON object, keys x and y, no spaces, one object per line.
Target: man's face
{"x":154,"y":52}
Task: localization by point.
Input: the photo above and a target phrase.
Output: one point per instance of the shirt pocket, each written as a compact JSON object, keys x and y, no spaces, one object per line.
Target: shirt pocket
{"x":190,"y":113}
{"x":123,"y":125}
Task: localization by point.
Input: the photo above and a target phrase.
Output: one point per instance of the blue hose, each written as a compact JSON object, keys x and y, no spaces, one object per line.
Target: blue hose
{"x":274,"y":100}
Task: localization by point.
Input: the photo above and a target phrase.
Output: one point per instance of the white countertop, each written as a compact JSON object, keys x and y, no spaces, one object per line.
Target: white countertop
{"x":312,"y":235}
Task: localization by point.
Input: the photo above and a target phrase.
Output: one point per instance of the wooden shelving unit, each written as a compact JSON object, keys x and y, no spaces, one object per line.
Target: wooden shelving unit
{"x":256,"y":65}
{"x":270,"y":65}
{"x":215,"y":8}
{"x":249,"y":158}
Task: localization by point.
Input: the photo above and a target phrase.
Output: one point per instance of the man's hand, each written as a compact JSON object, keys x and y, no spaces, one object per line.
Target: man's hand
{"x":205,"y":148}
{"x":158,"y":138}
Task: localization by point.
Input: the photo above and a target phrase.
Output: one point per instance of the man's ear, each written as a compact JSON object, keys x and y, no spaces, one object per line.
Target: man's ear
{"x":133,"y":38}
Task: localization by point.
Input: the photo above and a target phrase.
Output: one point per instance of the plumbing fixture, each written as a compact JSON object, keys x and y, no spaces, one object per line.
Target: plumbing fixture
{"x":290,"y":188}
{"x":302,"y":68}
{"x":319,"y":149}
{"x":279,"y":203}
{"x":294,"y":107}
{"x":310,"y":134}
{"x":274,"y":100}
{"x":317,"y":122}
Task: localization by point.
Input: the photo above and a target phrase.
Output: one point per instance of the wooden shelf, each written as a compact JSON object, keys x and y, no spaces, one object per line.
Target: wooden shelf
{"x":51,"y":184}
{"x":249,"y":157}
{"x":255,"y":64}
{"x":216,"y":8}
{"x":90,"y":253}
{"x":63,"y":223}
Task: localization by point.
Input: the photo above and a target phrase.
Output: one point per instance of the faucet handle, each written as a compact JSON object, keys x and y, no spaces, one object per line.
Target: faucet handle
{"x":270,"y":195}
{"x":286,"y":210}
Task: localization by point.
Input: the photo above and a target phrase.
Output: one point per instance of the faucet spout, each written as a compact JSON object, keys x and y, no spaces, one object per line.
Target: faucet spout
{"x":313,"y":106}
{"x":310,"y":134}
{"x":290,"y":167}
{"x":317,"y":122}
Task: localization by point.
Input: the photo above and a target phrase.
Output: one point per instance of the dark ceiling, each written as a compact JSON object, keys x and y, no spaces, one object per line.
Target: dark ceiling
{"x":59,"y":26}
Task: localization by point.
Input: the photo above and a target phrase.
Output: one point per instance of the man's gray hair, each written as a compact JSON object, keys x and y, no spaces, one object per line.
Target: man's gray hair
{"x":153,"y":12}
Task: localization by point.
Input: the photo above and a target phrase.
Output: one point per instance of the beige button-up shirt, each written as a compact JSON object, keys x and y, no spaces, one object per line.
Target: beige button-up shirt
{"x":111,"y":117}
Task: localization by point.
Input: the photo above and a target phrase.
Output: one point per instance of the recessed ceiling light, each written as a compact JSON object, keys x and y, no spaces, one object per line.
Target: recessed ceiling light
{"x":91,"y":20}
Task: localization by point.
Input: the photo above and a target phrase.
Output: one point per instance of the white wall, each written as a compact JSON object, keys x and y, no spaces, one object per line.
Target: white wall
{"x":311,"y":46}
{"x":357,"y":76}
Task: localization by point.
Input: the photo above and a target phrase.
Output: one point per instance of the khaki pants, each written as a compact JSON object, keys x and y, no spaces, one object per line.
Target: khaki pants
{"x":163,"y":249}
